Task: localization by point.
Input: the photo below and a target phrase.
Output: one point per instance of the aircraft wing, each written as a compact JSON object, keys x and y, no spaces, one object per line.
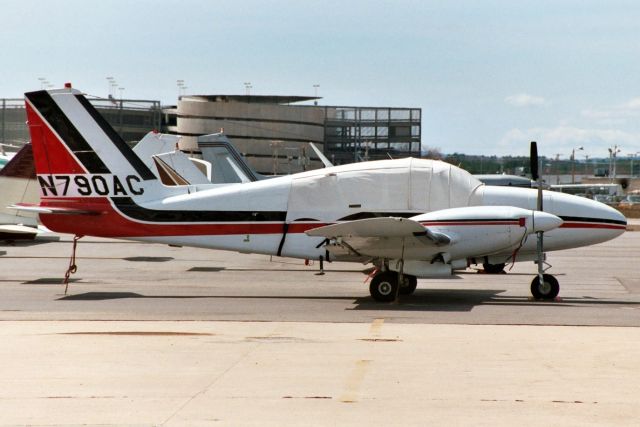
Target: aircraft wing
{"x":381,"y":228}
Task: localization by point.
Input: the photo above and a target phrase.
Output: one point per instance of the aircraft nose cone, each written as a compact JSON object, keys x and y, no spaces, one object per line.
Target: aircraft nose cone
{"x":544,"y":221}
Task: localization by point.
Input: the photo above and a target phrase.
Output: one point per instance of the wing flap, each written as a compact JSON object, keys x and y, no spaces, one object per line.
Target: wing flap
{"x":370,"y":227}
{"x":385,"y":227}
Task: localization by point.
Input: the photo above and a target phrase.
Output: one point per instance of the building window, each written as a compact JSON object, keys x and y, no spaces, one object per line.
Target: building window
{"x":399,"y":131}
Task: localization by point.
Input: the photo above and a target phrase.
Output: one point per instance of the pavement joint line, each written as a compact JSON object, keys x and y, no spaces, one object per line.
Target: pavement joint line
{"x":212,"y":383}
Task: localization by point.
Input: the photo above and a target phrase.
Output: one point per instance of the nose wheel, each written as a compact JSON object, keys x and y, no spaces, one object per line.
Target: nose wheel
{"x":547,"y":289}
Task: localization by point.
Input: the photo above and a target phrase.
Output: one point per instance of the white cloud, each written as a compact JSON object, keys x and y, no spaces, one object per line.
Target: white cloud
{"x":632,"y":104}
{"x":563,"y":139}
{"x":525,"y":100}
{"x":618,"y":114}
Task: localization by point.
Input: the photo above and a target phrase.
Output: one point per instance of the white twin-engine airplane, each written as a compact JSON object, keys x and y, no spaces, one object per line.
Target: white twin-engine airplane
{"x":409,"y":217}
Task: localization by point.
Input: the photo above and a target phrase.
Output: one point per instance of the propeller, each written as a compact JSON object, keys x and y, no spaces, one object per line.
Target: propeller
{"x":536,"y":177}
{"x":533,"y":158}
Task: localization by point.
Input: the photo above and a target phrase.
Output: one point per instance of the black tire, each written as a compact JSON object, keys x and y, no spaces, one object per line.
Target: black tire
{"x":383,"y":286}
{"x":409,"y":286}
{"x":549,"y":289}
{"x":493,"y":268}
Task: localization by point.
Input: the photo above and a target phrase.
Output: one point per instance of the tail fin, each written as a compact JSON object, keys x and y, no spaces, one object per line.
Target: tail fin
{"x":76,"y":152}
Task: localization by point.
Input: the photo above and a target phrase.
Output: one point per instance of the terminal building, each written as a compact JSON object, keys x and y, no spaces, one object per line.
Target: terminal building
{"x":272,"y":132}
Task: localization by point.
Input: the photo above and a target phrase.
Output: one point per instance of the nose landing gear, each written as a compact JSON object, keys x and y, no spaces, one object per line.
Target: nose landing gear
{"x":545,"y":289}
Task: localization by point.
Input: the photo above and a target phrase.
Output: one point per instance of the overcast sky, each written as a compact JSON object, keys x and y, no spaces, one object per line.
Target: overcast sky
{"x":489,"y":75}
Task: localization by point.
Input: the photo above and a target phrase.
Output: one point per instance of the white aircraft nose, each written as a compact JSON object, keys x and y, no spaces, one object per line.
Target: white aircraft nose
{"x":544,"y":221}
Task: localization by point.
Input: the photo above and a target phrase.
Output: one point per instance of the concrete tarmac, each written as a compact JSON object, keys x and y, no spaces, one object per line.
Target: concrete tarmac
{"x":316,"y":374}
{"x":153,"y":335}
{"x":600,"y":285}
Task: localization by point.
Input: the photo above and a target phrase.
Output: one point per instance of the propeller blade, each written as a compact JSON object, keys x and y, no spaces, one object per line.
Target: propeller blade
{"x":533,"y":159}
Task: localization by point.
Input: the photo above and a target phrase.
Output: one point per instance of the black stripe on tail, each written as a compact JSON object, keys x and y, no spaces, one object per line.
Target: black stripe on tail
{"x":135,"y":161}
{"x":70,"y":136}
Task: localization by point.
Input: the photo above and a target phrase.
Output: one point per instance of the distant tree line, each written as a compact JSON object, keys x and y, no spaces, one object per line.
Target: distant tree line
{"x":519,"y":165}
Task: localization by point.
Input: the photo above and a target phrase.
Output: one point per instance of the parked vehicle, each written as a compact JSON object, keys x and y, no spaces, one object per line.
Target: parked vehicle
{"x":607,"y":199}
{"x":630,"y":200}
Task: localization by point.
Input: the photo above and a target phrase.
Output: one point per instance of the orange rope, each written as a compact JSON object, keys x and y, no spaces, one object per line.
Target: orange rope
{"x":72,"y":263}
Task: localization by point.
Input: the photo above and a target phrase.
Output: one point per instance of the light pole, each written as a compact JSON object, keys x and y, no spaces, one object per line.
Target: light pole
{"x":613,"y":153}
{"x":315,"y":93}
{"x":573,"y":163}
{"x":247,"y":88}
{"x":113,"y":85}
{"x":181,"y":87}
{"x":110,"y":82}
{"x":558,"y":168}
{"x":43,"y":82}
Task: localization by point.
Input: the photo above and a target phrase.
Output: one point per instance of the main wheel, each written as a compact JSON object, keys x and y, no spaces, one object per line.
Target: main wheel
{"x":547,"y":290}
{"x":493,"y":268}
{"x":409,"y":286}
{"x":383,"y":286}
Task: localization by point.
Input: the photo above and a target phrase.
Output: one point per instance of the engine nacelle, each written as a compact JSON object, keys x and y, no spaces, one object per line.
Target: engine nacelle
{"x":485,"y":230}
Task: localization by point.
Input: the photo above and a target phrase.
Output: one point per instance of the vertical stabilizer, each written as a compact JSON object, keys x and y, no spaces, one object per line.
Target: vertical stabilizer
{"x":78,"y":154}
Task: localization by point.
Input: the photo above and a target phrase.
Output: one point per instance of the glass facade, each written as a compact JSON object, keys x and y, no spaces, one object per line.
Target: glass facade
{"x":131,"y":118}
{"x":366,"y":133}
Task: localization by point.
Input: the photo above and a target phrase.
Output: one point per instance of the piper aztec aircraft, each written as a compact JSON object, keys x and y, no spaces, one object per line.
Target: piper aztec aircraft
{"x":409,"y":217}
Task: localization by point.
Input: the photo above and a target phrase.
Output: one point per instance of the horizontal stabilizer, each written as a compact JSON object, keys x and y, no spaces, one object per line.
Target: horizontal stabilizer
{"x":17,"y":229}
{"x":176,"y":168}
{"x":27,"y":207}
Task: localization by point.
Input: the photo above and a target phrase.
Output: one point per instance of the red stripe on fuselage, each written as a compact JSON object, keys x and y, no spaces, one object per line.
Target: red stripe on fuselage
{"x":591,"y":225}
{"x":111,"y":223}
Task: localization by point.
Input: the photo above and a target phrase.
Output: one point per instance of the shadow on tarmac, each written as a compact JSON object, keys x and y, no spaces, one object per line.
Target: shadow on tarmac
{"x":49,"y":281}
{"x":148,"y":259}
{"x":433,"y":300}
{"x":466,"y":299}
{"x":101,"y":296}
{"x":274,"y":269}
{"x":458,"y":300}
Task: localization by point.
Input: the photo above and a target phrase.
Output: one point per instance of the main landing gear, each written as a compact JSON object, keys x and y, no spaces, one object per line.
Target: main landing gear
{"x":384,"y":286}
{"x":547,"y":289}
{"x":493,"y":268}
